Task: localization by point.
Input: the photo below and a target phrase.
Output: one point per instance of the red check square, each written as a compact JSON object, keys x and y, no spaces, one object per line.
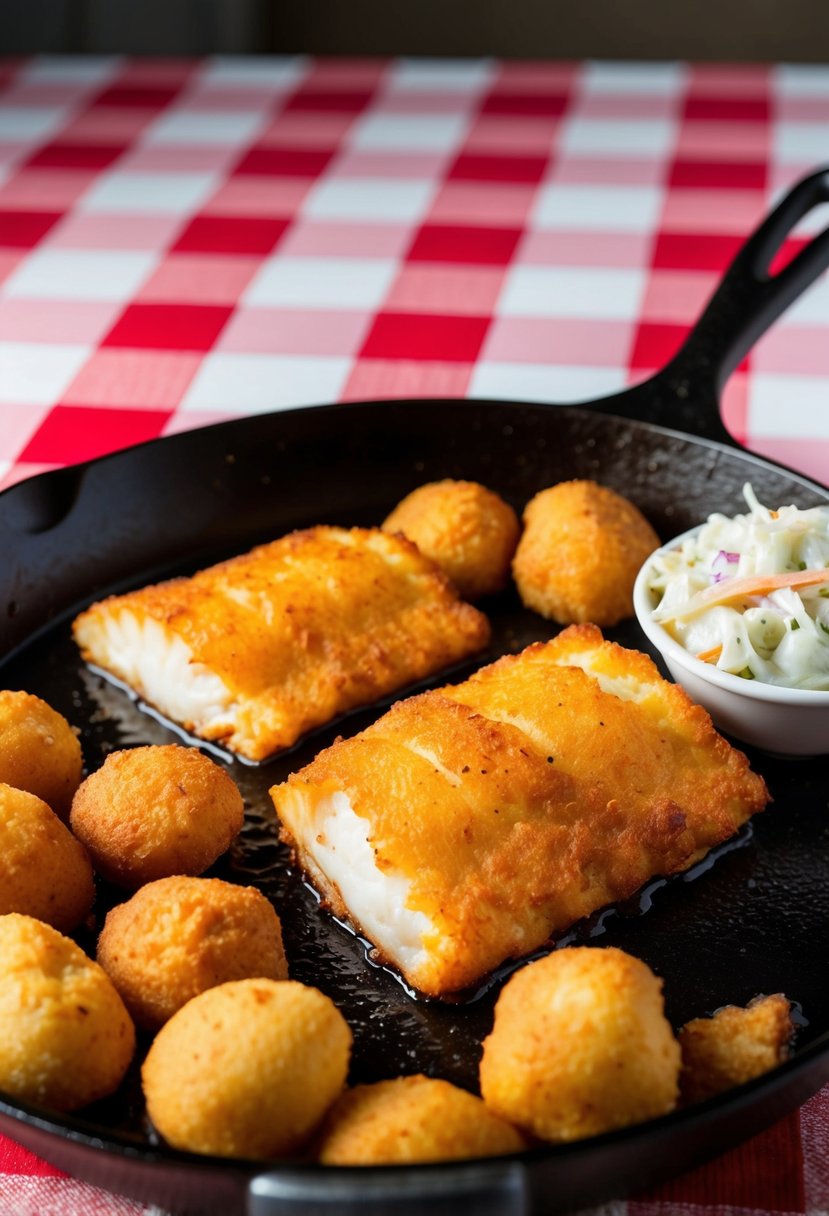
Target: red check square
{"x":728,"y":109}
{"x":168,"y":326}
{"x":350,"y":101}
{"x":656,"y":344}
{"x":23,"y":229}
{"x":285,"y":162}
{"x":418,"y":336}
{"x":694,"y":251}
{"x":242,"y":234}
{"x":539,"y":104}
{"x":718,"y":175}
{"x":481,"y":168}
{"x":75,"y":156}
{"x":451,"y":243}
{"x":70,"y":433}
{"x":145,"y":97}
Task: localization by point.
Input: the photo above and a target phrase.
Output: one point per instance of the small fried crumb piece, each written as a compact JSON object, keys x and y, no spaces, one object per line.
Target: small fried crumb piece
{"x":733,"y":1046}
{"x":412,"y":1119}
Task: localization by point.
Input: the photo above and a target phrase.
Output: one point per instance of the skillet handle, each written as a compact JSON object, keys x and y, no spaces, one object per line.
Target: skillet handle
{"x":685,"y":395}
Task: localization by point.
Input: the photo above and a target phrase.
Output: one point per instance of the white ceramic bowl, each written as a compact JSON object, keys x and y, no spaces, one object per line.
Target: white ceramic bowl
{"x":787,"y":721}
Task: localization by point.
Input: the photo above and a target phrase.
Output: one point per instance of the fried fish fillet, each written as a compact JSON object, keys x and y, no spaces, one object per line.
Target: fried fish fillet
{"x":468,"y":825}
{"x":258,"y":650}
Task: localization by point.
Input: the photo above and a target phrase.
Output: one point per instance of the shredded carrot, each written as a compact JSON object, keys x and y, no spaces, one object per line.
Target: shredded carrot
{"x":710,"y":656}
{"x":741,"y":588}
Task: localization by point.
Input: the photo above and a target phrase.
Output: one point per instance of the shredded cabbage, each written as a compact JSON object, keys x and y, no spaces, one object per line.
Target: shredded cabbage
{"x":777,"y":634}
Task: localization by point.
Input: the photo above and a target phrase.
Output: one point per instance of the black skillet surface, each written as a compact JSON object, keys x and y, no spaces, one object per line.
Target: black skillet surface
{"x":752,"y":920}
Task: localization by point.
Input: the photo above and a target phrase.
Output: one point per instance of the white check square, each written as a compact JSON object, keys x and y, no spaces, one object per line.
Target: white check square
{"x":28,"y":124}
{"x":539,"y":382}
{"x":617,"y":76}
{"x":367,"y":199}
{"x":259,"y":383}
{"x":800,"y":80}
{"x":409,"y":132}
{"x":581,"y":291}
{"x":652,"y":137}
{"x":189,"y":127}
{"x":167,"y":193}
{"x":598,"y":208}
{"x":790,"y":407}
{"x":443,"y":75}
{"x":81,"y":274}
{"x":800,"y":142}
{"x":71,"y":69}
{"x":278,"y":72}
{"x":37,"y":373}
{"x":298,"y":282}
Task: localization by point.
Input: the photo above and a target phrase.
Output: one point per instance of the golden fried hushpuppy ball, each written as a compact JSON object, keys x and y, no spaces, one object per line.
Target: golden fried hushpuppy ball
{"x":412,"y":1119}
{"x":734,"y":1046}
{"x":39,"y":751}
{"x":247,"y":1069}
{"x":580,"y":1045}
{"x":65,"y":1037}
{"x":151,"y":812}
{"x":44,"y":870}
{"x":580,"y":552}
{"x":179,"y":936}
{"x":466,"y":529}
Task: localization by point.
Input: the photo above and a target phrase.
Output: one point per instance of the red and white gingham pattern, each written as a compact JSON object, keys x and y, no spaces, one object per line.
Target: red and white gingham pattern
{"x":182,"y":242}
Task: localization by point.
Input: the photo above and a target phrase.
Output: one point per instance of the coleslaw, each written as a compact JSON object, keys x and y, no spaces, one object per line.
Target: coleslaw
{"x":751,"y":593}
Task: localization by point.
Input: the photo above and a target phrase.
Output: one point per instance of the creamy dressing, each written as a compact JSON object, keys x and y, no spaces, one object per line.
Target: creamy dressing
{"x":719,"y":594}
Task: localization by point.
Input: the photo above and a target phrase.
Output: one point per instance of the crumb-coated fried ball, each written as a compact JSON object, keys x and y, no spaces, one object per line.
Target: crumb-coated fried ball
{"x":154,"y":811}
{"x":179,"y":936}
{"x":466,"y":529}
{"x":580,"y":552}
{"x":247,"y":1069}
{"x":412,"y":1119}
{"x":65,"y":1037}
{"x":44,"y":870}
{"x":39,"y":751}
{"x":580,"y":1045}
{"x":734,"y":1046}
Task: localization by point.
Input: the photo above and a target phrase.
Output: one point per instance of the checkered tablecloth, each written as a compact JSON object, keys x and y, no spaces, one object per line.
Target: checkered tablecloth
{"x":182,"y":242}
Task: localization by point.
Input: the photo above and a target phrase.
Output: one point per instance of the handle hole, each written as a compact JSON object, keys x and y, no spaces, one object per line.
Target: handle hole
{"x":804,"y":231}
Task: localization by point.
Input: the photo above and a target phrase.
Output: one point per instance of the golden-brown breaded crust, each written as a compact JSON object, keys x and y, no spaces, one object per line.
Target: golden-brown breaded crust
{"x":307,"y":627}
{"x":580,"y":1046}
{"x":179,"y":936}
{"x":580,"y":552}
{"x":528,"y":797}
{"x":151,"y":812}
{"x":44,"y":870}
{"x":412,"y":1119}
{"x":468,"y":530}
{"x":65,"y":1037}
{"x":734,"y":1046}
{"x":39,"y":751}
{"x":247,"y":1069}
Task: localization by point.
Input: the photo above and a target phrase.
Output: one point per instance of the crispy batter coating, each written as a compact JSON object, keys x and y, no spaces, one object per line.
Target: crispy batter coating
{"x":39,"y":751}
{"x":151,"y":812}
{"x":247,"y":1069}
{"x":580,"y":552}
{"x":412,"y":1119}
{"x":258,"y":650}
{"x":468,"y":530}
{"x":179,"y":936}
{"x":44,"y":870}
{"x":65,"y":1037}
{"x":497,"y":812}
{"x":580,"y":1046}
{"x":734,"y":1046}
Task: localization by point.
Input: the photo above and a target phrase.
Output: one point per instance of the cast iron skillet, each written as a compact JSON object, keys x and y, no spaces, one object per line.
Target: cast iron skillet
{"x":752,"y":921}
